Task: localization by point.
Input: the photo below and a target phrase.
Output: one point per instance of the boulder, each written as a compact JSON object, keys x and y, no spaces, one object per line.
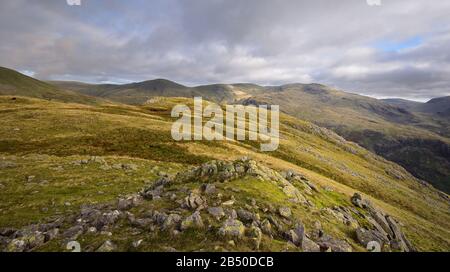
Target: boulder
{"x":107,"y":246}
{"x":299,"y":231}
{"x":399,"y":240}
{"x":216,"y":212}
{"x":27,"y":242}
{"x":293,"y":194}
{"x":285,"y":212}
{"x":159,"y":217}
{"x":209,"y":189}
{"x":16,"y":245}
{"x":73,"y":232}
{"x":365,"y":236}
{"x":357,"y":200}
{"x":51,"y":234}
{"x":172,"y":220}
{"x":124,"y":204}
{"x":194,"y":201}
{"x":246,"y":216}
{"x":309,"y":245}
{"x":266,"y":227}
{"x":232,"y":228}
{"x":192,"y":221}
{"x":327,"y":243}
{"x":255,"y":234}
{"x":7,"y":232}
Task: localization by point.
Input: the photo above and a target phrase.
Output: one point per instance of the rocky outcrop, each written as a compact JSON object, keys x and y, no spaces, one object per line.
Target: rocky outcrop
{"x":168,"y":207}
{"x":384,"y":229}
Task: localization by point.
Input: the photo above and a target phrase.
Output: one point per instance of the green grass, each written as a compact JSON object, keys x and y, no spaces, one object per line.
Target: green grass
{"x":39,"y":135}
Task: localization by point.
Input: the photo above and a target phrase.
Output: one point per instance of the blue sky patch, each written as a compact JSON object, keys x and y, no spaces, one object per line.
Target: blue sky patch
{"x":393,"y":46}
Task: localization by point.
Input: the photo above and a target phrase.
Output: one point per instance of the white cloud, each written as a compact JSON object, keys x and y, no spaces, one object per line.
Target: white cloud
{"x":199,"y":42}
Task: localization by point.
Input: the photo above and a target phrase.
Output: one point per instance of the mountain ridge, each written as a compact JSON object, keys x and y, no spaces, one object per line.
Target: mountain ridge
{"x":404,"y":135}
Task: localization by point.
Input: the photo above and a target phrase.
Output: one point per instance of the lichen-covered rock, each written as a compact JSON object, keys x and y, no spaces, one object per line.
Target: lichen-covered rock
{"x":365,"y":236}
{"x":194,"y":201}
{"x":27,"y":242}
{"x":285,"y":212}
{"x":124,"y":204}
{"x":386,"y":228}
{"x":293,"y":194}
{"x":216,"y":212}
{"x":232,"y":228}
{"x":255,"y":233}
{"x":73,"y":232}
{"x":172,"y":220}
{"x":400,"y":241}
{"x":327,"y":242}
{"x":266,"y":227}
{"x":299,"y":231}
{"x":159,"y":217}
{"x":17,"y":245}
{"x":309,"y":246}
{"x":246,"y":216}
{"x":107,"y":246}
{"x":192,"y":221}
{"x":209,"y":189}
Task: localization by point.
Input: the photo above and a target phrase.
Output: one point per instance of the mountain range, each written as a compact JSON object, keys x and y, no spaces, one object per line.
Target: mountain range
{"x":413,"y":134}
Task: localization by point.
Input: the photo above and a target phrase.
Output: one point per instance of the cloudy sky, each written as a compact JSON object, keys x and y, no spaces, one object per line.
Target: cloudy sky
{"x":400,"y":48}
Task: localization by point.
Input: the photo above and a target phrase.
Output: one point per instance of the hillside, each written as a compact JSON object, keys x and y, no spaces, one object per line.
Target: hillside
{"x":418,"y":141}
{"x":440,"y":107}
{"x":15,"y":83}
{"x":139,"y":93}
{"x":415,"y":135}
{"x":111,"y":178}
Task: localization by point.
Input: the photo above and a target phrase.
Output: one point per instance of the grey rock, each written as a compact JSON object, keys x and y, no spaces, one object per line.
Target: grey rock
{"x":209,"y":189}
{"x":27,"y":242}
{"x":232,"y":228}
{"x":107,"y":246}
{"x":7,"y":232}
{"x":297,"y":234}
{"x":51,"y":234}
{"x":142,"y":223}
{"x":124,"y":204}
{"x":266,"y":227}
{"x":73,"y":232}
{"x":171,"y":221}
{"x":194,"y":201}
{"x":255,"y":234}
{"x":327,"y":242}
{"x":365,"y":236}
{"x":246,"y":216}
{"x":216,"y":212}
{"x":400,"y":242}
{"x":154,"y":192}
{"x":285,"y":212}
{"x":309,"y":246}
{"x":17,"y":245}
{"x":192,"y":221}
{"x":159,"y":217}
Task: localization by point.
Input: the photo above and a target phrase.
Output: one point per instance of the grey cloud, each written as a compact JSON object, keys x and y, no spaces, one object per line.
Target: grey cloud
{"x":209,"y":41}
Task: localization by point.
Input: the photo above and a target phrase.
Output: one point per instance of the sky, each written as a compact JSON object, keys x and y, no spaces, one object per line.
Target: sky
{"x":380,"y":48}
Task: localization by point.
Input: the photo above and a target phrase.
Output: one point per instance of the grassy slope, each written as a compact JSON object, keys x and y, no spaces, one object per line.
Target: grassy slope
{"x":392,"y":130}
{"x":15,"y":83}
{"x":42,"y":138}
{"x":388,"y":130}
